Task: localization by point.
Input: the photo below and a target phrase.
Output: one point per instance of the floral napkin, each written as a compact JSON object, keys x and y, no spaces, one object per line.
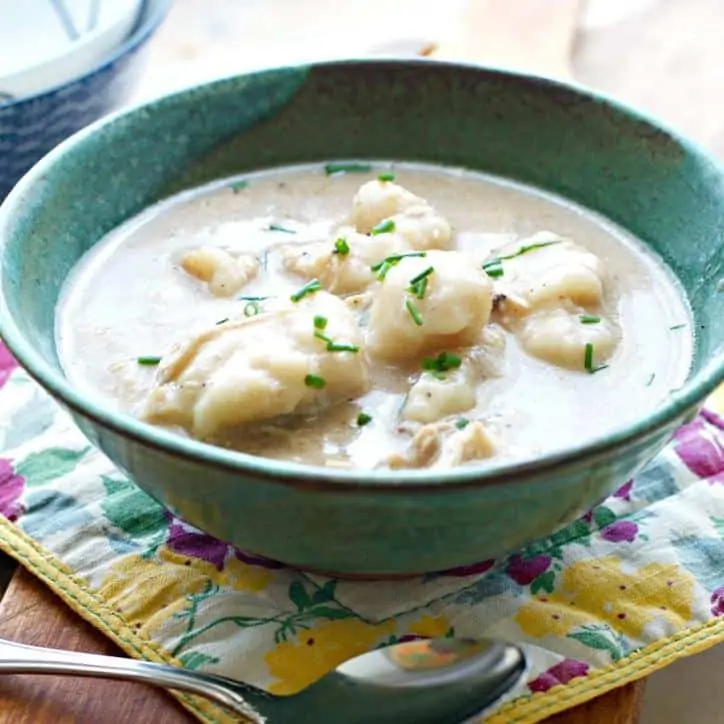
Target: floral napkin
{"x":635,"y":584}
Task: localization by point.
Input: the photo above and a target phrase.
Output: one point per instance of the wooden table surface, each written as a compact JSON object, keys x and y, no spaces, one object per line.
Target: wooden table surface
{"x":666,"y":58}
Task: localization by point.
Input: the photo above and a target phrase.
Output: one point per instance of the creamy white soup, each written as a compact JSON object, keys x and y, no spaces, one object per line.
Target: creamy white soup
{"x":393,"y":315}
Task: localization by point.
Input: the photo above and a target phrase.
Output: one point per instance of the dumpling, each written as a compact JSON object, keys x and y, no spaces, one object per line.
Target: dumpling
{"x":344,"y":264}
{"x":225,"y":274}
{"x":543,"y":271}
{"x":562,"y":338}
{"x":386,"y":220}
{"x":292,"y":361}
{"x":433,"y":397}
{"x":435,"y":300}
{"x":382,"y":203}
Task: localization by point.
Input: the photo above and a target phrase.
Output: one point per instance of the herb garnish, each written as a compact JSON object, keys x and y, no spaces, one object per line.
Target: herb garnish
{"x":251,"y":299}
{"x":309,"y":288}
{"x":251,"y":309}
{"x":677,"y":326}
{"x":317,"y":383}
{"x":589,"y":319}
{"x":493,"y":266}
{"x":222,"y":321}
{"x":444,"y":362}
{"x":461,"y":423}
{"x":386,"y":176}
{"x":588,"y":360}
{"x":333,"y":169}
{"x":320,"y":322}
{"x":149,"y":361}
{"x":336,"y":347}
{"x":363,"y":418}
{"x":651,"y":378}
{"x":384,"y":227}
{"x":237,"y":186}
{"x":418,"y":284}
{"x":341,"y":247}
{"x":384,"y":266}
{"x":279,"y":227}
{"x":414,"y":312}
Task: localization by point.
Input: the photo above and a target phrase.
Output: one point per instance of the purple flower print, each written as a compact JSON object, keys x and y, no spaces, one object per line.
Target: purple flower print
{"x":11,"y":488}
{"x":561,"y":673}
{"x":7,"y":364}
{"x":717,"y":602}
{"x":525,"y":570}
{"x":624,"y":492}
{"x":471,"y":570}
{"x":188,"y":541}
{"x":621,"y":531}
{"x":700,"y":451}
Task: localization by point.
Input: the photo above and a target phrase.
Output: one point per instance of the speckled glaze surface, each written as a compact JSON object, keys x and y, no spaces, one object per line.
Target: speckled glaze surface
{"x":540,"y":132}
{"x":30,"y":127}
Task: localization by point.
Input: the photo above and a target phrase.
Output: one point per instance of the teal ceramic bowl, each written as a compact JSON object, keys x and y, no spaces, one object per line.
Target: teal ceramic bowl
{"x":561,"y":138}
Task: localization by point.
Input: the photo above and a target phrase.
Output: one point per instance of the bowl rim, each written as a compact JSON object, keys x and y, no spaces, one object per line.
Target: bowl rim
{"x":150,"y":15}
{"x":682,"y":401}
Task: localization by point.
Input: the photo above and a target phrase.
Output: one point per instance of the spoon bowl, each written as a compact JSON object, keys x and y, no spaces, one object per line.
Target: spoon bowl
{"x":430,"y":681}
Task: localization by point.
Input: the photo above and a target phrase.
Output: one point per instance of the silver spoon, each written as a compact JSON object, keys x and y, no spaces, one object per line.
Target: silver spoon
{"x":434,"y":681}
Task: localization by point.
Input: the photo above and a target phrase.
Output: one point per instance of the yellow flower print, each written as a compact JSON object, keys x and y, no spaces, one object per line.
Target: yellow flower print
{"x":311,"y":654}
{"x":430,"y":626}
{"x":597,"y":590}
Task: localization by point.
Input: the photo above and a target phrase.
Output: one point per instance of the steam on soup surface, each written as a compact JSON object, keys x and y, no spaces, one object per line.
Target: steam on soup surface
{"x":375,"y":317}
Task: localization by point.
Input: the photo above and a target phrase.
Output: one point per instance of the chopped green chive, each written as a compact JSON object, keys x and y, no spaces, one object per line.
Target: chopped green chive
{"x":588,"y":360}
{"x":223,"y":321}
{"x":317,"y":383}
{"x":414,"y":312}
{"x":650,"y":380}
{"x":384,"y":227}
{"x":334,"y":169}
{"x":386,"y":176}
{"x":461,"y":423}
{"x":309,"y":288}
{"x":384,"y":266}
{"x":493,"y":268}
{"x":363,"y":419}
{"x":237,"y":186}
{"x":341,"y":247}
{"x":279,"y":227}
{"x":335,"y":347}
{"x":322,"y":336}
{"x":320,"y":322}
{"x":444,"y":362}
{"x":677,"y":326}
{"x":252,"y":299}
{"x":418,"y":284}
{"x":251,"y":309}
{"x":149,"y":361}
{"x":589,"y":319}
{"x":528,"y":247}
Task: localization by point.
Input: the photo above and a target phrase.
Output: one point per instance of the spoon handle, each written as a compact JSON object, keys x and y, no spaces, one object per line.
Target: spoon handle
{"x":22,"y":659}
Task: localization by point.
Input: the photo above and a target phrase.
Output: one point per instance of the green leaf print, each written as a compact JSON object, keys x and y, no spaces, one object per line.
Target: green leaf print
{"x":129,"y":509}
{"x":325,"y":593}
{"x":42,"y":467}
{"x":599,"y":641}
{"x":298,"y":595}
{"x":545,"y":582}
{"x":196,"y":660}
{"x":603,"y":516}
